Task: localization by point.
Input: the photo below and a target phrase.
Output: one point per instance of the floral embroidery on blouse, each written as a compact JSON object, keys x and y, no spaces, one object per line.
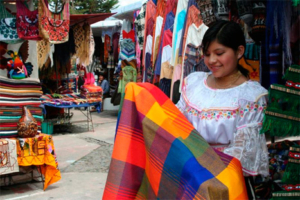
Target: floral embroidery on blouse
{"x":226,"y":114}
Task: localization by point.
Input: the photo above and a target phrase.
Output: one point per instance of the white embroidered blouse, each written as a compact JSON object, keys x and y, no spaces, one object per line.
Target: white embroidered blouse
{"x":230,"y":118}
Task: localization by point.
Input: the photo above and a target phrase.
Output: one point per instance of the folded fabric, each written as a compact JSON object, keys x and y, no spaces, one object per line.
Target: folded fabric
{"x":26,"y":81}
{"x":159,"y":155}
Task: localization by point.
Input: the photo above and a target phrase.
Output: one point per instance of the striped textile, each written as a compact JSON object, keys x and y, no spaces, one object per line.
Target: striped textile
{"x":159,"y":155}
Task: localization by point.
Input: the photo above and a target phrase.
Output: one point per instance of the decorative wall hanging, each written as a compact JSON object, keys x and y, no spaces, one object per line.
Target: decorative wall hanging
{"x":27,"y":22}
{"x":16,"y":68}
{"x":27,"y":125}
{"x":8,"y":29}
{"x":54,"y":26}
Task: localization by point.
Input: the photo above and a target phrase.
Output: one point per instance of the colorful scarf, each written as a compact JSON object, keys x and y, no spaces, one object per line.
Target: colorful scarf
{"x":158,"y":154}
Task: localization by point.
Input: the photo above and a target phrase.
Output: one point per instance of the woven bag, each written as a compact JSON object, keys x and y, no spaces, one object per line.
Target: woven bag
{"x":54,"y":26}
{"x":27,"y":22}
{"x":8,"y":29}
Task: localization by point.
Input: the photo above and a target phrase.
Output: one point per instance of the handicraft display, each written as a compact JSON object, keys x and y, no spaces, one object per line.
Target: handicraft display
{"x":27,"y":22}
{"x":54,"y":25}
{"x":27,"y":126}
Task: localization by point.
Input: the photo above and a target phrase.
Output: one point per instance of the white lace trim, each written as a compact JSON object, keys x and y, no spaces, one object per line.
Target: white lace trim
{"x":250,"y":148}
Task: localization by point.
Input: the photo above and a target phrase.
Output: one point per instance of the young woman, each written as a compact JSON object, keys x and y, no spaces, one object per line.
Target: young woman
{"x":225,"y":106}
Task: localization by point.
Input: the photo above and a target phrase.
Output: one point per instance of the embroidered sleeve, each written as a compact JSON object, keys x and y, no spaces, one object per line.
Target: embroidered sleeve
{"x":248,"y":145}
{"x":181,"y":104}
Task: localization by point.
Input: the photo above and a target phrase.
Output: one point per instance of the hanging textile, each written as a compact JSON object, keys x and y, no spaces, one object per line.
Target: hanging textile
{"x":159,"y":155}
{"x":160,"y":9}
{"x":193,"y":16}
{"x":140,"y":25}
{"x":167,"y":31}
{"x":107,"y":47}
{"x":282,"y":116}
{"x":221,"y":9}
{"x":8,"y":29}
{"x":185,"y":26}
{"x":177,"y":30}
{"x":8,"y":157}
{"x":150,"y":12}
{"x":54,"y":26}
{"x":207,"y":12}
{"x":27,"y":22}
{"x":82,"y":39}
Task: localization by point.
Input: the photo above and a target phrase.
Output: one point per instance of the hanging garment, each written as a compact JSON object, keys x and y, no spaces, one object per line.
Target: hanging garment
{"x":129,"y":75}
{"x":127,"y":50}
{"x":27,"y":22}
{"x":159,"y":155}
{"x":193,"y":16}
{"x":107,"y":47}
{"x":157,"y":28}
{"x":140,"y":25}
{"x":207,"y":12}
{"x":192,"y":60}
{"x":221,"y":9}
{"x":54,"y":27}
{"x":156,"y":36}
{"x":168,"y":29}
{"x":165,"y":86}
{"x":82,"y":43}
{"x":115,"y":45}
{"x":194,"y":36}
{"x":149,"y":23}
{"x":8,"y":29}
{"x":177,"y":31}
{"x":129,"y":35}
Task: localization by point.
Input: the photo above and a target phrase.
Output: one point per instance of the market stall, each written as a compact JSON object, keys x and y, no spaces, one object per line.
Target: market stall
{"x":27,"y":49}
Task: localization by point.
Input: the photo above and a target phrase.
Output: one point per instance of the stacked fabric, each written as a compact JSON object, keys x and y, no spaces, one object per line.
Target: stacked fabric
{"x":14,"y":94}
{"x":92,"y":93}
{"x":63,"y":99}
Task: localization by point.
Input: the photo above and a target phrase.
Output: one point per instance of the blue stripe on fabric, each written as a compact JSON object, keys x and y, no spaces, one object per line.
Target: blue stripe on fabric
{"x":182,"y":167}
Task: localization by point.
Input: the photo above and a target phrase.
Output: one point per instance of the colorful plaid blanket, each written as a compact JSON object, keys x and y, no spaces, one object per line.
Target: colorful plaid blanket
{"x":159,"y":155}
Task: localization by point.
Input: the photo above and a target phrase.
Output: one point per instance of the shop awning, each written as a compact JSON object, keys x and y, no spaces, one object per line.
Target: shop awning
{"x":89,"y":18}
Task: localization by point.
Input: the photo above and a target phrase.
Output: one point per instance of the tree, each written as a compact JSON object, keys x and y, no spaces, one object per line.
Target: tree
{"x":92,"y":6}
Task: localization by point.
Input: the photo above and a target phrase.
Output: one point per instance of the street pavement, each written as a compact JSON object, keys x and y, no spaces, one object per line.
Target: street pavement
{"x":83,"y":157}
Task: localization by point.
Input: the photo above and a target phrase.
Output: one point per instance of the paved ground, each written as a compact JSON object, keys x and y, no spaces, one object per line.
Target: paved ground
{"x":83,"y":158}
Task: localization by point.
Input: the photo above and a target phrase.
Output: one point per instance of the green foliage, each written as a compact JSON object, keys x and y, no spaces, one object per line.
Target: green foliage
{"x":92,"y":6}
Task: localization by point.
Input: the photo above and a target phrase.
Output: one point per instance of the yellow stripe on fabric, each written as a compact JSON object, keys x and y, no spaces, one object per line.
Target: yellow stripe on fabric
{"x":232,"y":180}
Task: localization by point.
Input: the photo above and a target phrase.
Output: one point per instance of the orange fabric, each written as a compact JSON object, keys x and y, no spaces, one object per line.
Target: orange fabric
{"x":252,"y":67}
{"x":106,"y":47}
{"x":160,"y":11}
{"x":150,"y":13}
{"x":39,"y":151}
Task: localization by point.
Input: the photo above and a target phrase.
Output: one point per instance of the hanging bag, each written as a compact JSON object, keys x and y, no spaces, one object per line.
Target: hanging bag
{"x":54,"y":26}
{"x":8,"y":29}
{"x":27,"y":22}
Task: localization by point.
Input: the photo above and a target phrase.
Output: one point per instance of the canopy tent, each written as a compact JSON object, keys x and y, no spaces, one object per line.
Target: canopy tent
{"x":126,"y":12}
{"x":89,"y":18}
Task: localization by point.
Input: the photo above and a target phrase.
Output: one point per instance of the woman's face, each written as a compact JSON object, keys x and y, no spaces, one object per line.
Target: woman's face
{"x":101,"y":78}
{"x":221,"y":60}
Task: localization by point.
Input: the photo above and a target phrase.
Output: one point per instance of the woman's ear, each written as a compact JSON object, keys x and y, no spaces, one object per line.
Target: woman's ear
{"x":240,"y":51}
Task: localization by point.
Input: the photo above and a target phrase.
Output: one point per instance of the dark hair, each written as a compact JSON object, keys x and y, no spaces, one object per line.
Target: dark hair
{"x":227,"y":33}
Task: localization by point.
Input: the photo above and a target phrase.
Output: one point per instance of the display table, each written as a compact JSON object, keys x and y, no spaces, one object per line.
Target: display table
{"x":89,"y":119}
{"x":38,"y":151}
